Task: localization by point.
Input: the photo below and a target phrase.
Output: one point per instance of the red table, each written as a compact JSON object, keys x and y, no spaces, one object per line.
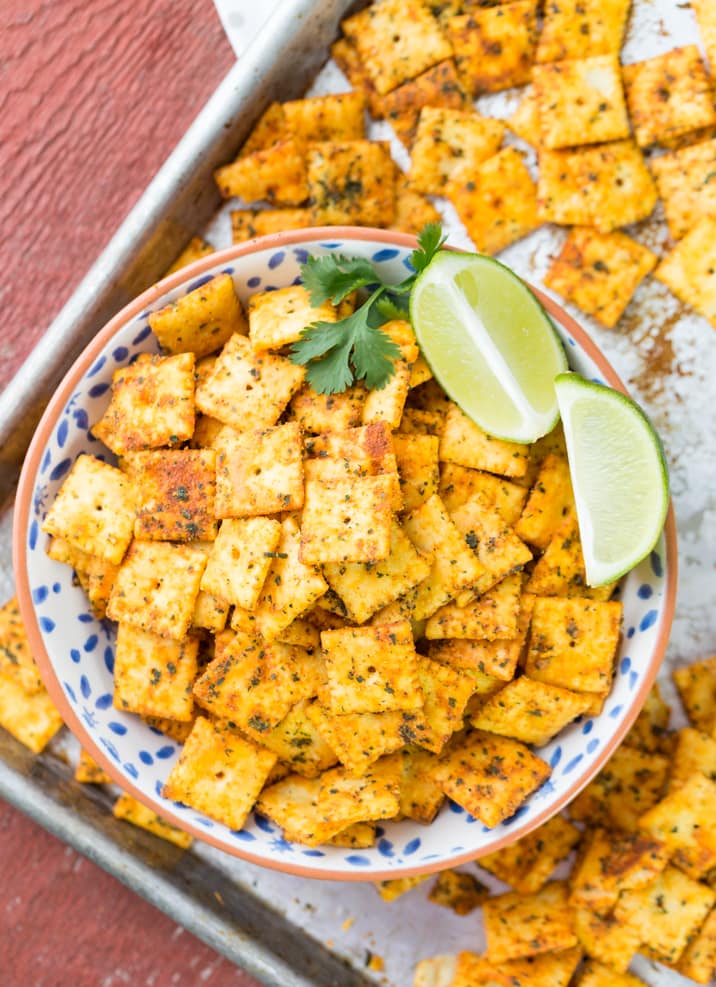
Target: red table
{"x":93,"y":96}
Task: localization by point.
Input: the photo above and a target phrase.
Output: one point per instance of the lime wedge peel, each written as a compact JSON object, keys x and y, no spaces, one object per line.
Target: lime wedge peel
{"x":619,"y":476}
{"x":489,"y":343}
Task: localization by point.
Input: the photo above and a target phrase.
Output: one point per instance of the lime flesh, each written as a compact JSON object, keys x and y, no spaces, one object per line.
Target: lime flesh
{"x":619,"y":476}
{"x":489,"y":343}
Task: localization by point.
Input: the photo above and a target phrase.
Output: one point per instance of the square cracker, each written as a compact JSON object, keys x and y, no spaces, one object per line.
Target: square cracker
{"x":525,"y":120}
{"x":360,"y":739}
{"x":265,"y":131}
{"x":494,"y":47}
{"x":497,"y":201}
{"x":245,"y":389}
{"x":349,"y":61}
{"x":446,"y":139}
{"x":277,"y":318}
{"x":553,"y":969}
{"x":417,"y":458}
{"x":94,"y":510}
{"x":492,"y":616}
{"x":374,"y":795}
{"x":560,"y":570}
{"x":669,"y":95}
{"x":698,"y":961}
{"x":605,"y":186}
{"x":88,"y":772}
{"x":689,"y":271}
{"x":599,"y":272}
{"x":459,"y":891}
{"x":16,"y":661}
{"x":459,"y":484}
{"x":528,"y":863}
{"x":463,"y":442}
{"x":194,"y":250}
{"x":292,"y":804}
{"x":338,"y":116}
{"x":157,"y":586}
{"x":259,"y":472}
{"x":581,"y":101}
{"x":650,"y":730}
{"x":240,"y":559}
{"x":420,"y":795}
{"x":446,"y":692}
{"x":276,"y":174}
{"x":686,"y":180}
{"x":32,"y":718}
{"x":573,"y":642}
{"x":365,"y":588}
{"x":706,"y":20}
{"x":611,"y":864}
{"x":605,"y":939}
{"x":598,"y":975}
{"x":371,"y":669}
{"x":495,"y":543}
{"x":412,"y":212}
{"x":132,"y":811}
{"x":549,"y":501}
{"x":416,"y":41}
{"x":439,"y":86}
{"x":153,"y":675}
{"x":296,"y":742}
{"x":202,"y":320}
{"x":696,"y":683}
{"x":346,"y":520}
{"x":630,"y":784}
{"x":351,"y":182}
{"x":532,"y":712}
{"x":175,"y":495}
{"x":525,"y":925}
{"x":210,"y":612}
{"x":581,"y":28}
{"x":267,"y":221}
{"x":219,"y":773}
{"x":491,"y":776}
{"x":327,"y":412}
{"x":683,"y":821}
{"x":152,"y":405}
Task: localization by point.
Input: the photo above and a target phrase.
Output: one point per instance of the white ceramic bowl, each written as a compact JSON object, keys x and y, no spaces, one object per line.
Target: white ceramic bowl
{"x":75,"y":652}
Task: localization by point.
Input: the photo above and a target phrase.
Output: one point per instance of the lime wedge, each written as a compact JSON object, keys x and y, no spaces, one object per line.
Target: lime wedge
{"x":619,"y":476}
{"x":489,"y":343}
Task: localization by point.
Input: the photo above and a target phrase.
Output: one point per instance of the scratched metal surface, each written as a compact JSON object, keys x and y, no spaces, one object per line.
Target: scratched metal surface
{"x":285,"y":929}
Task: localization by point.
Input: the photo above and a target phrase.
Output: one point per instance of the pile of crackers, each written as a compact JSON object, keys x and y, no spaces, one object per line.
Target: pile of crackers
{"x":642,"y":879}
{"x":599,"y":129}
{"x":346,"y":607}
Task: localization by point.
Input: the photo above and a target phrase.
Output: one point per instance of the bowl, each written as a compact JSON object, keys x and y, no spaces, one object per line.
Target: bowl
{"x":75,"y":651}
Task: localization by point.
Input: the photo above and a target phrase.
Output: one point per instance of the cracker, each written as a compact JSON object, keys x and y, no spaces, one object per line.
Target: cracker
{"x":491,"y":776}
{"x":130,"y":810}
{"x":630,"y":784}
{"x":599,"y":975}
{"x":498,"y":548}
{"x":552,"y":969}
{"x":463,"y":442}
{"x":532,"y":712}
{"x":157,"y":586}
{"x":202,"y":320}
{"x":686,"y":180}
{"x":497,"y":201}
{"x":248,"y":390}
{"x":178,"y":730}
{"x":494,"y":48}
{"x":359,"y":836}
{"x":243,"y":225}
{"x":683,"y":821}
{"x":420,"y":795}
{"x":31,"y":718}
{"x":581,"y":101}
{"x":459,"y":484}
{"x":560,"y":570}
{"x":417,"y":458}
{"x":206,"y":430}
{"x":416,"y":42}
{"x":599,"y":272}
{"x":606,"y":186}
{"x":698,"y":961}
{"x":550,"y":499}
{"x":268,"y":221}
{"x":360,"y":739}
{"x":392,"y":890}
{"x":525,"y":925}
{"x":375,"y":795}
{"x":296,"y":742}
{"x":458,"y":891}
{"x":573,"y":643}
{"x":293,"y":804}
{"x":455,"y":566}
{"x":581,"y":28}
{"x":88,"y":772}
{"x":194,"y":250}
{"x":693,"y":752}
{"x":525,"y":121}
{"x":528,"y":863}
{"x":351,"y":182}
{"x":418,"y":422}
{"x":696,"y":683}
{"x":210,"y":613}
{"x":153,"y":675}
{"x":259,"y":472}
{"x":276,"y":174}
{"x":349,"y":61}
{"x":371,"y":669}
{"x":367,"y":588}
{"x":277,"y":318}
{"x":219,"y":773}
{"x":152,"y":405}
{"x":16,"y":661}
{"x":605,"y":939}
{"x":650,"y":728}
{"x":706,"y":20}
{"x":346,"y":520}
{"x":446,"y":692}
{"x":445,"y":140}
{"x":689,"y":271}
{"x":492,"y":616}
{"x":327,"y":412}
{"x":94,"y":510}
{"x":386,"y":404}
{"x":175,"y":495}
{"x":373,"y":442}
{"x":611,"y":864}
{"x":266,"y":130}
{"x":669,"y":95}
{"x":665,"y":913}
{"x":336,"y":117}
{"x":440,"y":86}
{"x":240,"y":560}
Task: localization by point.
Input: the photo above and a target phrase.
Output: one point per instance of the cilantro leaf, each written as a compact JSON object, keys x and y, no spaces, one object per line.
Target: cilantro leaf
{"x":431,"y":240}
{"x":335,"y":276}
{"x":390,"y":308}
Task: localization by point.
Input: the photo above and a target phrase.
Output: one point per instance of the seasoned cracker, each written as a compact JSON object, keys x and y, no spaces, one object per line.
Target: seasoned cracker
{"x":463,"y":442}
{"x":194,"y":250}
{"x":500,"y":552}
{"x":202,"y":320}
{"x":416,"y":41}
{"x":611,"y":864}
{"x":392,"y":890}
{"x":440,"y":86}
{"x":698,"y":961}
{"x":689,"y":271}
{"x":525,"y":925}
{"x":445,"y":140}
{"x":497,"y":201}
{"x":175,"y":495}
{"x":605,"y":939}
{"x":351,"y":182}
{"x":706,"y":20}
{"x":459,"y":484}
{"x":243,"y":224}
{"x":581,"y":28}
{"x":528,"y":863}
{"x":132,"y":811}
{"x":16,"y":661}
{"x":88,"y":772}
{"x":606,"y":186}
{"x":459,"y":891}
{"x":420,"y":794}
{"x":240,"y":559}
{"x":276,"y":174}
{"x":346,"y":520}
{"x":292,"y":803}
{"x":31,"y":718}
{"x":296,"y":742}
{"x":336,"y":117}
{"x":598,"y":975}
{"x":177,"y":730}
{"x":327,"y":412}
{"x":696,"y":683}
{"x":669,"y":95}
{"x":267,"y":221}
{"x":599,"y":272}
{"x":683,"y":821}
{"x":494,"y":48}
{"x":386,"y":405}
{"x":686,"y":180}
{"x":259,"y":472}
{"x":359,"y":836}
{"x":532,"y":712}
{"x":650,"y":728}
{"x":525,"y":121}
{"x":153,"y":675}
{"x":277,"y":318}
{"x":492,"y":616}
{"x":550,"y":500}
{"x":94,"y":510}
{"x":210,"y":613}
{"x":560,"y":570}
{"x":446,"y":692}
{"x":693,"y":752}
{"x":630,"y":784}
{"x":266,"y":130}
{"x":375,"y":795}
{"x":349,"y":61}
{"x":417,"y":458}
{"x":553,"y":969}
{"x":219,"y":773}
{"x":360,"y":739}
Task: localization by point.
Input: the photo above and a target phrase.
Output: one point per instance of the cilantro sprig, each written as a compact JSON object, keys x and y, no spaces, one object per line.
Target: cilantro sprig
{"x":337,"y":354}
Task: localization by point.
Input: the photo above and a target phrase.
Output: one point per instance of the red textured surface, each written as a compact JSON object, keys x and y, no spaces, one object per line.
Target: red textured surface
{"x":93,"y":96}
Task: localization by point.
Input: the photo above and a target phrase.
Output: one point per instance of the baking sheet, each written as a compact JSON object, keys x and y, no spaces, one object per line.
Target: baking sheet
{"x":667,"y":358}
